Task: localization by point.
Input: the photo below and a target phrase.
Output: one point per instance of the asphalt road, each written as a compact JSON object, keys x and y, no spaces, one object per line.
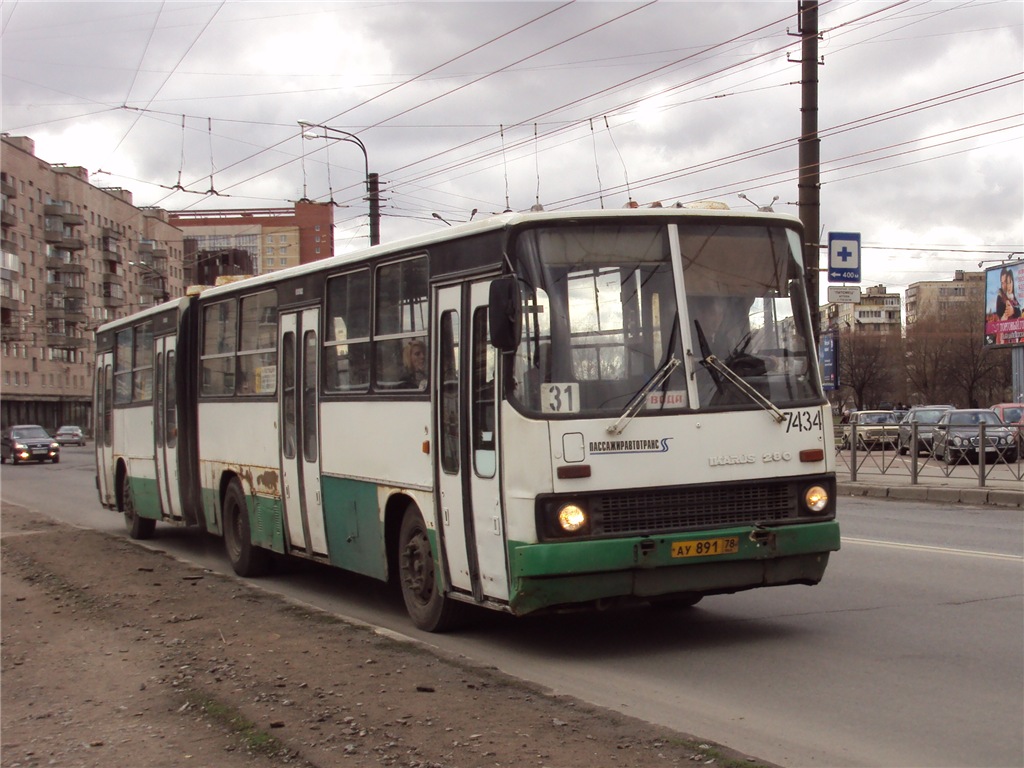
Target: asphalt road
{"x":910,"y":653}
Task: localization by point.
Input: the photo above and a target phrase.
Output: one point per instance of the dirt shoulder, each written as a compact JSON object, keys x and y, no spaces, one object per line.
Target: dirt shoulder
{"x":113,"y":654}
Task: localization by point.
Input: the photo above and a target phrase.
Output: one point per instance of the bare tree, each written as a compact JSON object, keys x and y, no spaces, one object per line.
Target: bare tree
{"x":980,"y":375}
{"x":928,"y":350}
{"x":867,"y":365}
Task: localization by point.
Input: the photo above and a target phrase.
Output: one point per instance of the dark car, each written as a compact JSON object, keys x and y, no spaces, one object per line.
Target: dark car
{"x":28,"y":442}
{"x":957,"y":436}
{"x":70,"y":436}
{"x":926,"y":417}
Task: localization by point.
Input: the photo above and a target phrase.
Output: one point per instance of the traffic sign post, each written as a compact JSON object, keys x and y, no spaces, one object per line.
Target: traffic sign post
{"x":844,"y":257}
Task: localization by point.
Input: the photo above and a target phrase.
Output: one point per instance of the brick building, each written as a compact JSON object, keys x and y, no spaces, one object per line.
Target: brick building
{"x":273,"y":238}
{"x":74,"y":255}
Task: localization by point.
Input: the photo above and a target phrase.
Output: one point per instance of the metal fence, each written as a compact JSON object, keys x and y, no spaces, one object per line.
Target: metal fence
{"x":998,"y":462}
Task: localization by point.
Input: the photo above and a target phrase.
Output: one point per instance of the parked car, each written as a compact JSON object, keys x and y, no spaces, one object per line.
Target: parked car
{"x":28,"y":442}
{"x":70,"y":436}
{"x":926,"y":417}
{"x":873,"y":428}
{"x":957,"y":436}
{"x":1012,"y":414}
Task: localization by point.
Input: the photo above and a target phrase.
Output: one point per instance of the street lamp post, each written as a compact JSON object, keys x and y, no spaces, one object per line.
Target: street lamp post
{"x":372,"y":179}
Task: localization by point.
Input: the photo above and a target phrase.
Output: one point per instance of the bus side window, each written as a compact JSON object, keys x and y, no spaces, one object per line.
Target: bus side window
{"x":482,"y":388}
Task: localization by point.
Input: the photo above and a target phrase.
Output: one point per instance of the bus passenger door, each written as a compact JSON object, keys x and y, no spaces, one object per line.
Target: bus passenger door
{"x":103,"y":428}
{"x":299,"y":430}
{"x":471,"y":520}
{"x":484,"y":480}
{"x":165,"y":424}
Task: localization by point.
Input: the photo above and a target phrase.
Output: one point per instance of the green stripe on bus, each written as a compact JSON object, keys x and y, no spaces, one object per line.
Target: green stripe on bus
{"x":568,"y":557}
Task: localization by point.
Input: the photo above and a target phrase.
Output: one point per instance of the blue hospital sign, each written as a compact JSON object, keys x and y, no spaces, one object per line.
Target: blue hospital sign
{"x":844,"y":257}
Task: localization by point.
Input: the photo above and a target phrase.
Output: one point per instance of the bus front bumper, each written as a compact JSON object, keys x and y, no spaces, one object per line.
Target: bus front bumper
{"x":566,"y":573}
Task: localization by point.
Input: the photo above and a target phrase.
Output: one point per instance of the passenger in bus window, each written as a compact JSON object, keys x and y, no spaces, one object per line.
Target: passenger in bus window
{"x":414,"y":358}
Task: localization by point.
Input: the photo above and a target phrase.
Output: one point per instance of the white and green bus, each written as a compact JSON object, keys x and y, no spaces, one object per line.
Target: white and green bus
{"x":533,"y":412}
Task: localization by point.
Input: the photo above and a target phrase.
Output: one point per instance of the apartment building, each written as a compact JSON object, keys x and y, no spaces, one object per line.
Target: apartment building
{"x":273,"y":238}
{"x":938,"y":298}
{"x":74,"y":255}
{"x":878,"y":310}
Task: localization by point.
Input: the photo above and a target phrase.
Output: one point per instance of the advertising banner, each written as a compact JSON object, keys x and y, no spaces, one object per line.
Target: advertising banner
{"x":1004,"y":323}
{"x":828,"y":357}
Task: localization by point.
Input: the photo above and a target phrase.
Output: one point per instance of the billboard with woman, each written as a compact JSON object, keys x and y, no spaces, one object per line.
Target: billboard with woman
{"x":1004,"y":323}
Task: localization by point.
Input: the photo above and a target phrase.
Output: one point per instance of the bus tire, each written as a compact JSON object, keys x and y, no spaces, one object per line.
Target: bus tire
{"x":246,"y":558}
{"x":139,"y":528}
{"x":428,"y":607}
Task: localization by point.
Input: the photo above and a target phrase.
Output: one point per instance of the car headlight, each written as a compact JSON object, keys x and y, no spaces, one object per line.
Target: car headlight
{"x":956,"y":441}
{"x":20,"y":447}
{"x":54,"y":446}
{"x":816,"y":498}
{"x":572,"y":517}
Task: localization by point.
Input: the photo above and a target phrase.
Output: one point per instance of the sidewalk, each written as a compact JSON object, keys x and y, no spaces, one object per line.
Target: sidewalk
{"x":1002,"y":486}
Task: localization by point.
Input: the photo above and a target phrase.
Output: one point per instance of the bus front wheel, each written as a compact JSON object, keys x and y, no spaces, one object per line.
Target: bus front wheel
{"x":427,"y":605}
{"x":246,"y":559}
{"x":138,"y":527}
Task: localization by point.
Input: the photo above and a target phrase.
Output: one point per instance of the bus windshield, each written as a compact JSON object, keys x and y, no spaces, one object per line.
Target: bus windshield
{"x":602,"y":318}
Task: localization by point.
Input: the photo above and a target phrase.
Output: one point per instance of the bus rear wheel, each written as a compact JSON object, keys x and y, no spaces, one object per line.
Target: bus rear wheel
{"x":430,"y":609}
{"x":246,"y":558}
{"x":138,"y":527}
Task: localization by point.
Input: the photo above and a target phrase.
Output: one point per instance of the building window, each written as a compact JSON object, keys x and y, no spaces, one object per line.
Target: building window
{"x":282,"y":238}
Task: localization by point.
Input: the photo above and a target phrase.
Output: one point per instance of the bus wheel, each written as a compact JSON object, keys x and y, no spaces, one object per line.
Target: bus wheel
{"x":428,"y":607}
{"x":246,"y":558}
{"x":138,"y":527}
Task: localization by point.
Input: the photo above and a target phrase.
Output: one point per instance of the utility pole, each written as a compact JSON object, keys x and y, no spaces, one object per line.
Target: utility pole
{"x":373,"y":189}
{"x":810,"y":155}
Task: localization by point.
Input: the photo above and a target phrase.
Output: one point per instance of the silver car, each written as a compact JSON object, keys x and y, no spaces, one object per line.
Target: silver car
{"x":926,"y":417}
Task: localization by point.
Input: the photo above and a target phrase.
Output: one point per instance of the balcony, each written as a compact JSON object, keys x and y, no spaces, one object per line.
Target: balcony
{"x":56,"y":288}
{"x":10,"y":303}
{"x":54,"y":209}
{"x":112,"y":278}
{"x":113,"y":302}
{"x":8,"y":219}
{"x":76,"y":293}
{"x":72,"y":243}
{"x":9,"y":246}
{"x":54,"y":235}
{"x":7,"y":188}
{"x":63,"y":341}
{"x":74,"y":219}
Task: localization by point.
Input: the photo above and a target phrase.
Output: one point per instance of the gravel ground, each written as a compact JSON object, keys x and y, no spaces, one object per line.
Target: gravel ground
{"x":115,"y":655}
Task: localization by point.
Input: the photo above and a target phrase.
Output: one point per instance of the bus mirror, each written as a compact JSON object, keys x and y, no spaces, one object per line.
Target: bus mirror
{"x":505,"y":315}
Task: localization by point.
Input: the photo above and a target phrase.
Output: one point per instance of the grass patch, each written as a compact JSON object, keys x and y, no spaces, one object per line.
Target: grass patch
{"x":256,"y":740}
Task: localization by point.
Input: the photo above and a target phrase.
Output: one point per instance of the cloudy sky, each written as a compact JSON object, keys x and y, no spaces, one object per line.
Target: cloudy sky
{"x":489,"y":105}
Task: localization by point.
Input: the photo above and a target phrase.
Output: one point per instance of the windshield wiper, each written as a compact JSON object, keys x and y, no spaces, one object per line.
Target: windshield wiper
{"x":735,"y":379}
{"x":640,"y":397}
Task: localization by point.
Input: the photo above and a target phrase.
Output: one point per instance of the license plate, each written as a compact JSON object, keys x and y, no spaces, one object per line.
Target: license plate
{"x":706,"y":547}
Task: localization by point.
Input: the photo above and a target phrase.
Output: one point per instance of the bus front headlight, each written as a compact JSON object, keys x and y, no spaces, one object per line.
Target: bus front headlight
{"x":816,"y":498}
{"x":572,"y":518}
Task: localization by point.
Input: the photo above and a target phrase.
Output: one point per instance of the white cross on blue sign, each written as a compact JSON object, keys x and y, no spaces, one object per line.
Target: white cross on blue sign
{"x":844,"y":257}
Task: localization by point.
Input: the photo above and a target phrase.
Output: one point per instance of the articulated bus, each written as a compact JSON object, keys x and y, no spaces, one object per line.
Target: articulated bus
{"x":533,"y":412}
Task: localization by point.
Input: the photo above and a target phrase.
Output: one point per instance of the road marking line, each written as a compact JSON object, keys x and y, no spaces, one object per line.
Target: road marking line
{"x":926,"y":548}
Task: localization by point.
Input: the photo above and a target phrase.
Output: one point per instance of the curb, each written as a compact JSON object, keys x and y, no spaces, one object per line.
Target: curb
{"x":996,"y":497}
